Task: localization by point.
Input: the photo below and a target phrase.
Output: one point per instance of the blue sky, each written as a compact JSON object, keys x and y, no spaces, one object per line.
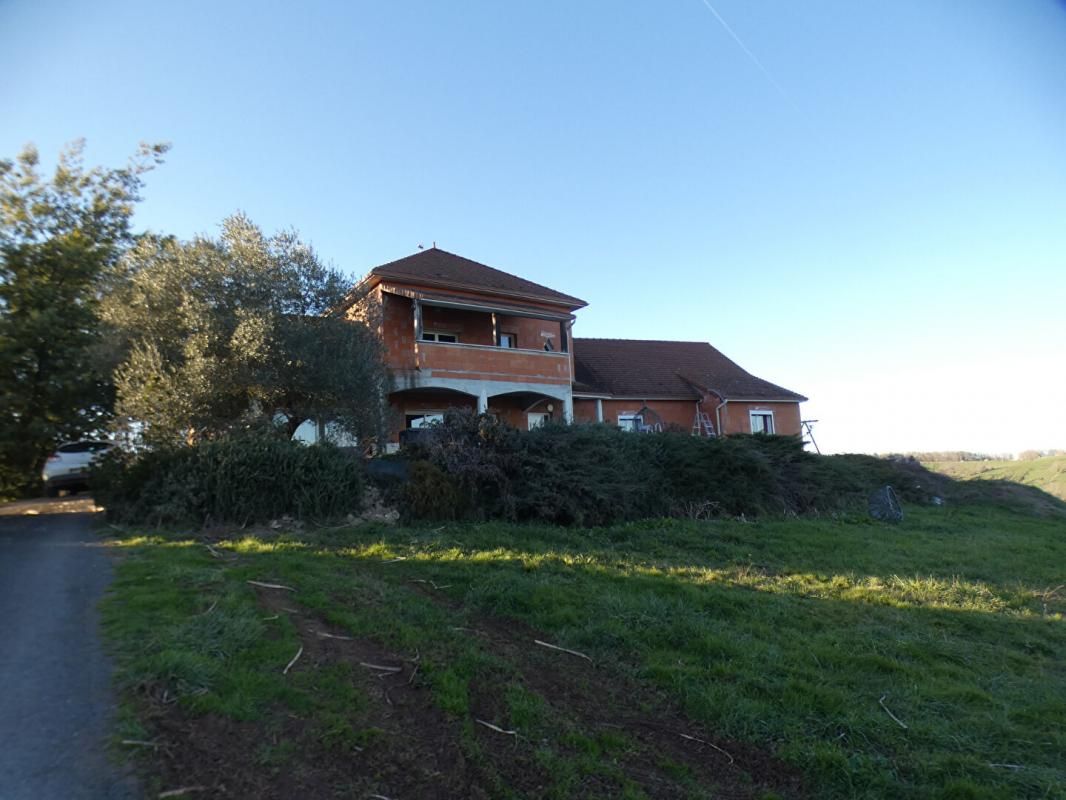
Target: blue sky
{"x":865,"y":202}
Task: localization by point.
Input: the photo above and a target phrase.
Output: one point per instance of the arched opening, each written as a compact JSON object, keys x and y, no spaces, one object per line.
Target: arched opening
{"x":414,"y":409}
{"x":526,"y":410}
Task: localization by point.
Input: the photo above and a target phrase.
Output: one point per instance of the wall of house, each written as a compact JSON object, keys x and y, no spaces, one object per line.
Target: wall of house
{"x":494,"y":364}
{"x":735,"y":417}
{"x":531,"y":333}
{"x":512,"y":410}
{"x":682,"y":413}
{"x":472,"y":327}
{"x":672,"y":413}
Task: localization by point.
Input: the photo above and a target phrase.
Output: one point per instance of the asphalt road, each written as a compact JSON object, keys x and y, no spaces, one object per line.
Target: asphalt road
{"x":56,"y":701}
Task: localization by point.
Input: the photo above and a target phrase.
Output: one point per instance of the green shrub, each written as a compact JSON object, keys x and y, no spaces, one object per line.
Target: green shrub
{"x":431,"y":494}
{"x":472,"y":466}
{"x":240,"y":479}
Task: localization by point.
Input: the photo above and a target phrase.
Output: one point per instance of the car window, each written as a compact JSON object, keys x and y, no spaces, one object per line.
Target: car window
{"x":77,"y":447}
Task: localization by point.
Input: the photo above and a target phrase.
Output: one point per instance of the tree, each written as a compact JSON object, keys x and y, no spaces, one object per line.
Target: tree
{"x":58,"y":236}
{"x":237,"y":331}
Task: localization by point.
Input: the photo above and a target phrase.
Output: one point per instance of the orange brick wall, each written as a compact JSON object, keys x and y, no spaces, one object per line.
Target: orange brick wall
{"x":530,"y":332}
{"x":735,"y":417}
{"x":451,"y":361}
{"x":472,"y":327}
{"x":683,"y":413}
{"x":456,"y":361}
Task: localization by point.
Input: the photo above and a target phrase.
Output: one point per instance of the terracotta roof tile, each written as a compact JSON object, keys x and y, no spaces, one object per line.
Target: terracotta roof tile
{"x":648,"y":368}
{"x":439,"y":267}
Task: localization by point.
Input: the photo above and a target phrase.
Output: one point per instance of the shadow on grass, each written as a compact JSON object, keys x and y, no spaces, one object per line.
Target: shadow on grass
{"x":877,"y":686}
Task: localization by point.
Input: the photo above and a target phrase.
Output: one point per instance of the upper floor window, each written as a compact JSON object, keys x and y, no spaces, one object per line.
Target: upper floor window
{"x":762,"y":421}
{"x":548,"y":346}
{"x":436,"y":336}
{"x":508,"y":340}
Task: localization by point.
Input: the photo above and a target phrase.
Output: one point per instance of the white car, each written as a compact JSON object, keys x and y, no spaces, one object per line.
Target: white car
{"x":68,"y":466}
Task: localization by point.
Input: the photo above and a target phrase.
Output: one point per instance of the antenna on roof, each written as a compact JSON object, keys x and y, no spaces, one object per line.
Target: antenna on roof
{"x":420,"y":247}
{"x":434,"y":244}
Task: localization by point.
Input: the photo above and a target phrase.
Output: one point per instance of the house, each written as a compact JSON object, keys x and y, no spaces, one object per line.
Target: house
{"x":457,"y":333}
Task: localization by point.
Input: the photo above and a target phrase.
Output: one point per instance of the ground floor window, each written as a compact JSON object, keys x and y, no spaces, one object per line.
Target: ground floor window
{"x":422,"y":419}
{"x":537,"y":418}
{"x":762,"y":421}
{"x":630,"y":422}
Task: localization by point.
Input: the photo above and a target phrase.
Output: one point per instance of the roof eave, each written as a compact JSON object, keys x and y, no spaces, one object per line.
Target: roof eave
{"x":572,"y":303}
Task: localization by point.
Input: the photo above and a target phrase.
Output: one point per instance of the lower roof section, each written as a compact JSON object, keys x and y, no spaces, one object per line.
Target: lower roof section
{"x":662,"y":369}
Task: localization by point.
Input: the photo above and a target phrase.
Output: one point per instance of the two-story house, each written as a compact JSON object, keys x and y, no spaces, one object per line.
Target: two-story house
{"x":461,"y":334}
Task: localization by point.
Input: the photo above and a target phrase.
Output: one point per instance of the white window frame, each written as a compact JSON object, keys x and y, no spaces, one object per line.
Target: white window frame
{"x":434,"y":336}
{"x":630,"y":422}
{"x":537,"y":419}
{"x":762,"y":412}
{"x":422,"y":413}
{"x":512,"y":336}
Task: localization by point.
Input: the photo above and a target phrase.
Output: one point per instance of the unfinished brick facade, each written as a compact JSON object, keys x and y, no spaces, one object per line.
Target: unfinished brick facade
{"x":460,"y":334}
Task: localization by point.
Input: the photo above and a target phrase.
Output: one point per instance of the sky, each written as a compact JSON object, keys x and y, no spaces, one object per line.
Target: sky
{"x":862,"y":202}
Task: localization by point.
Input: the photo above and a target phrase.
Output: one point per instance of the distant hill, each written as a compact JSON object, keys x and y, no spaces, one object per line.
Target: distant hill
{"x":1047,"y":474}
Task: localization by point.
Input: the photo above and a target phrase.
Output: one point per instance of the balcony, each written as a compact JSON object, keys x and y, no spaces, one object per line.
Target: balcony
{"x":475,"y":346}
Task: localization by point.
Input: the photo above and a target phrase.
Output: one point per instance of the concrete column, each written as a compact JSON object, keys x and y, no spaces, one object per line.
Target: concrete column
{"x":482,"y":402}
{"x":417,"y":304}
{"x":599,"y":410}
{"x":568,"y":409}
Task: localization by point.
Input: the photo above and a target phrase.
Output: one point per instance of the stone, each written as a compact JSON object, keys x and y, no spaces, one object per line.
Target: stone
{"x":884,"y":505}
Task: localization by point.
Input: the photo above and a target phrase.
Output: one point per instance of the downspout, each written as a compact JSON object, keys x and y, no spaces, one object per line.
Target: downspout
{"x":718,"y":416}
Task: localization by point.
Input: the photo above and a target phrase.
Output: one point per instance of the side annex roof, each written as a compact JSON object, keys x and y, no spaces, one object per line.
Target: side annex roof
{"x":649,"y":368}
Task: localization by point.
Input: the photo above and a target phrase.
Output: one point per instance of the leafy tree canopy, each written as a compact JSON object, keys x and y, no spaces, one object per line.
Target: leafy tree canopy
{"x":226,"y":333}
{"x":58,"y":237}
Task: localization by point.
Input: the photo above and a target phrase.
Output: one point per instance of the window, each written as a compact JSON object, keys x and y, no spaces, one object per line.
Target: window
{"x":762,"y":421}
{"x":435,"y":336}
{"x":424,"y":419}
{"x":548,"y":346}
{"x":630,"y":422}
{"x":508,"y":340}
{"x":537,"y":419}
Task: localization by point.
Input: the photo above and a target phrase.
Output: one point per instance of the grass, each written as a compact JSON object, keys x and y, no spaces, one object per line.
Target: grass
{"x":1047,"y":474}
{"x":794,"y":635}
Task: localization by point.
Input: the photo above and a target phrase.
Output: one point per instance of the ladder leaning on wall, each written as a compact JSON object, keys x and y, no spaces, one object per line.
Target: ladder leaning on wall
{"x":703,"y":425}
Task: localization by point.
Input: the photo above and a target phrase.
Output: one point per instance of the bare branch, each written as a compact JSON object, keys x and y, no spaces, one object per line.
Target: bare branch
{"x":898,"y":721}
{"x":709,"y":744}
{"x":299,"y":653}
{"x":380,"y":668}
{"x":562,"y":650}
{"x":496,"y":728}
{"x":271,"y":586}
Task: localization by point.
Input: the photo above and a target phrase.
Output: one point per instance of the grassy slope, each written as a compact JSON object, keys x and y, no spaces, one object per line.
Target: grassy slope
{"x":785,"y":633}
{"x":1047,"y":474}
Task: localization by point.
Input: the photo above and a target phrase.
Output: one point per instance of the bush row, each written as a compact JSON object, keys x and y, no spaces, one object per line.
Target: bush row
{"x":473,"y":467}
{"x":237,"y":480}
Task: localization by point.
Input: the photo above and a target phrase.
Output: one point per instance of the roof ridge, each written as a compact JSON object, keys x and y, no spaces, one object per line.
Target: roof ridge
{"x":408,"y":267}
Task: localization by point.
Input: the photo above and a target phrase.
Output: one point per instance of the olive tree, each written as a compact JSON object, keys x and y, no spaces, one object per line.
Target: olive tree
{"x":225,"y":333}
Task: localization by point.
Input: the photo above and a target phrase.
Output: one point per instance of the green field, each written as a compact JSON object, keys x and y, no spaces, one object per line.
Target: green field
{"x":809,"y":642}
{"x":1047,"y":474}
